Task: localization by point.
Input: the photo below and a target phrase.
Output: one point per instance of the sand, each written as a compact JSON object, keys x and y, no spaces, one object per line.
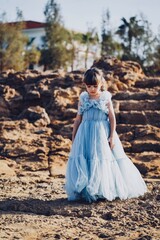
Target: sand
{"x":34,"y":206}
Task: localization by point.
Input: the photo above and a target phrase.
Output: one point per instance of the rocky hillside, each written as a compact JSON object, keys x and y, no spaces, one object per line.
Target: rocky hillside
{"x":37,"y":112}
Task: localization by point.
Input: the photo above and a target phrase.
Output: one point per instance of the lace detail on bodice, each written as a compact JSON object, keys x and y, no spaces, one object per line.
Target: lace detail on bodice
{"x":101,"y":103}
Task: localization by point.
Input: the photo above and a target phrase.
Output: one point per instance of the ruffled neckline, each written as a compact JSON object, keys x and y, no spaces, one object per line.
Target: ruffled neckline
{"x":100,"y":103}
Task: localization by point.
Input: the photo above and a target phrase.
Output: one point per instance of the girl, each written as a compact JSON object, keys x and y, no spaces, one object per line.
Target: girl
{"x":98,"y":166}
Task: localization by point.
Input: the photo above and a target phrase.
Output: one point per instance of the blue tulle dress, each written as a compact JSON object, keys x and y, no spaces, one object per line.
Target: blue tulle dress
{"x":94,"y":171}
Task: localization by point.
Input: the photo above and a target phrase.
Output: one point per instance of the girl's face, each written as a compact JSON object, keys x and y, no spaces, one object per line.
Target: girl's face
{"x":93,"y":90}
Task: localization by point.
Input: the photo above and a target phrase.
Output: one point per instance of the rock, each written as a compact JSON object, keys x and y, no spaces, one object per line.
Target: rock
{"x":148,"y":83}
{"x":133,"y":117}
{"x":70,"y":113}
{"x":139,"y":105}
{"x":103,"y":235}
{"x":15,"y":79}
{"x":147,"y":95}
{"x":5,"y":170}
{"x":147,"y":132}
{"x":127,"y":146}
{"x":142,"y":168}
{"x":158,"y":197}
{"x":145,"y":237}
{"x":153,"y":117}
{"x":108,"y":216}
{"x":126,"y":72}
{"x":38,"y":109}
{"x":129,"y":136}
{"x":4,"y":110}
{"x":141,"y":146}
{"x":57,"y":236}
{"x":36,"y":115}
{"x":66,"y":97}
{"x":32,"y":94}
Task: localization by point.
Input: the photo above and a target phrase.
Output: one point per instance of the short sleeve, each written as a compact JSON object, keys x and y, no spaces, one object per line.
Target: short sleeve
{"x":80,"y":103}
{"x":107,"y":96}
{"x":82,"y":97}
{"x":79,"y":112}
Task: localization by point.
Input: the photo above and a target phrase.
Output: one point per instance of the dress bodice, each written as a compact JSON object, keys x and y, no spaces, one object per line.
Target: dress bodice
{"x":101,"y":103}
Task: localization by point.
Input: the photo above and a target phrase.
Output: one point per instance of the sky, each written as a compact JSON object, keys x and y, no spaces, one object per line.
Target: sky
{"x":81,"y":14}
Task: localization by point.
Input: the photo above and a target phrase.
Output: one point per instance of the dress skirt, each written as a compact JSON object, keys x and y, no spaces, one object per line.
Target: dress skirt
{"x":94,"y":170}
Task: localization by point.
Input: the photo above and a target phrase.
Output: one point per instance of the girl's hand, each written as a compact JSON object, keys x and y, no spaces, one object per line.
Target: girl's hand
{"x":111,"y":142}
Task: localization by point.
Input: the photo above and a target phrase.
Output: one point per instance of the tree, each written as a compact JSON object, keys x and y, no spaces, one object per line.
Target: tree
{"x":157,"y":59}
{"x":155,"y":68}
{"x":89,"y":39}
{"x":56,"y":37}
{"x":129,"y":31}
{"x":12,"y":43}
{"x":137,"y":40}
{"x":74,"y":42}
{"x":145,"y":47}
{"x":109,"y":46}
{"x":81,"y":46}
{"x":31,"y":57}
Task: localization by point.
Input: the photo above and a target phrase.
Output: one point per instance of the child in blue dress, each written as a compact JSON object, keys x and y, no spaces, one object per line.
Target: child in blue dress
{"x":98,"y":167}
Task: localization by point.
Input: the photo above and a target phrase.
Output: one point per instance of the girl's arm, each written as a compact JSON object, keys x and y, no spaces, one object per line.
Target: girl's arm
{"x":112,"y":120}
{"x":76,"y":124}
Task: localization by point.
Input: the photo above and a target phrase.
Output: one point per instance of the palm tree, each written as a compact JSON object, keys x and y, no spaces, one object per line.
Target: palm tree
{"x":90,"y":38}
{"x":128,"y":32}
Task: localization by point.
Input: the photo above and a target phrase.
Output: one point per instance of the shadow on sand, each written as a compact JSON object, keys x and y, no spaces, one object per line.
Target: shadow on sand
{"x":59,"y":206}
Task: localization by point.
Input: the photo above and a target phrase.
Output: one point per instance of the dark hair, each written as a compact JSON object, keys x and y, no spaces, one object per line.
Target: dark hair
{"x":94,"y":76}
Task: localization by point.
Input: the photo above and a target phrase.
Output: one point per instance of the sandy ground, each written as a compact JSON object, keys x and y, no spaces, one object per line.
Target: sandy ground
{"x":33,"y":206}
